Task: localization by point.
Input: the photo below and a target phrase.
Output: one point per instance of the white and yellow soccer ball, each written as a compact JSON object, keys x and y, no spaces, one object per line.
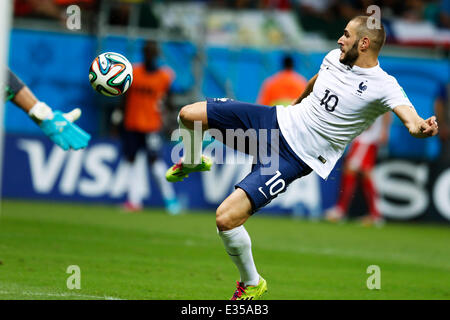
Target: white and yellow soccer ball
{"x":111,"y":74}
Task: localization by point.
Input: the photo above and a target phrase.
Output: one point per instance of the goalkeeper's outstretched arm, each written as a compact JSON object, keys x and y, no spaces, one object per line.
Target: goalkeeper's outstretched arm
{"x":57,"y":126}
{"x":25,"y":99}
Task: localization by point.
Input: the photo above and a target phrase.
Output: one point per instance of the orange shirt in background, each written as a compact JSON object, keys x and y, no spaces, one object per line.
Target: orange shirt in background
{"x":282,"y":88}
{"x":142,"y":110}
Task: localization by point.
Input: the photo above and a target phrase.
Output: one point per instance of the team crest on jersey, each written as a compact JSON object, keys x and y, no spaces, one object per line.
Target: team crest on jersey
{"x":361,"y":88}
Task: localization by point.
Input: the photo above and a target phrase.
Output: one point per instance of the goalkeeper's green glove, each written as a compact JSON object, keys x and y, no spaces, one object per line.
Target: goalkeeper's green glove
{"x":59,"y":127}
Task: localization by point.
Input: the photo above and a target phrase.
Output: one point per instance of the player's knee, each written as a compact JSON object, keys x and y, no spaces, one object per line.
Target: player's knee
{"x":187,"y":113}
{"x":183,"y":115}
{"x":223,"y":219}
{"x":192,"y":112}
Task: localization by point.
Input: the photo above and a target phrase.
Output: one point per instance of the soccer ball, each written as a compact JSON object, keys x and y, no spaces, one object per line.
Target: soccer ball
{"x":111,"y":74}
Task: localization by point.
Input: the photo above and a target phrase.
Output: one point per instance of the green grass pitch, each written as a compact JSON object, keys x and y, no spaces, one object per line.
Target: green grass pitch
{"x":156,"y":256}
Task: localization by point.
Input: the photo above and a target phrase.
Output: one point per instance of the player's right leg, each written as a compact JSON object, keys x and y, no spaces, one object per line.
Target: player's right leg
{"x":192,"y":113}
{"x":223,"y":115}
{"x":192,"y":121}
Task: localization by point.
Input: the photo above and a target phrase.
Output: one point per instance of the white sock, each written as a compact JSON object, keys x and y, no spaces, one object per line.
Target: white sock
{"x":192,"y":143}
{"x":159,"y":169}
{"x":239,"y":247}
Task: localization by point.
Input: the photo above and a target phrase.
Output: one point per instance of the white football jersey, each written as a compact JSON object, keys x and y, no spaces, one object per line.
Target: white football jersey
{"x":344,"y":102}
{"x":372,"y":134}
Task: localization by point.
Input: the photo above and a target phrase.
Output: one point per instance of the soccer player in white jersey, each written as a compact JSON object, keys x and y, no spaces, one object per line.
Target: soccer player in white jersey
{"x":344,"y":98}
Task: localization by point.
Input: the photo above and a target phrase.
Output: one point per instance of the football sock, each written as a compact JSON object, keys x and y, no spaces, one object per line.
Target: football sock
{"x":371,"y":196}
{"x":159,"y":169}
{"x":192,"y":144}
{"x":239,"y":247}
{"x":348,"y":185}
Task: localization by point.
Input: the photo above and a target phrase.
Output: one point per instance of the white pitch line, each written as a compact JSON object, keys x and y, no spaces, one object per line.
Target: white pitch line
{"x":29,"y":293}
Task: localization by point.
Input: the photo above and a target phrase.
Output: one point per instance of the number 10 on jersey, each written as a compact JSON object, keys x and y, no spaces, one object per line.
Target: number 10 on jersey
{"x":276,"y":185}
{"x":330,"y":101}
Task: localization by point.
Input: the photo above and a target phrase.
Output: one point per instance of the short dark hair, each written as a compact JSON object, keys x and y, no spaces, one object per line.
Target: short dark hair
{"x":377,"y":36}
{"x":288,"y":62}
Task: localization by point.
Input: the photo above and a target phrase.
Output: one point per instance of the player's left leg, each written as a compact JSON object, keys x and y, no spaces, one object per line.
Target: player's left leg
{"x":230,"y":217}
{"x":263,"y":184}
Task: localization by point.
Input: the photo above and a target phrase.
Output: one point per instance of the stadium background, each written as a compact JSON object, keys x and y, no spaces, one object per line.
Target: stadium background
{"x":218,"y":49}
{"x":62,"y":209}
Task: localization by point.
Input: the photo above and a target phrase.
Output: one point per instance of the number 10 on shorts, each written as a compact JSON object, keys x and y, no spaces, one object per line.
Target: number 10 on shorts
{"x":275,"y":184}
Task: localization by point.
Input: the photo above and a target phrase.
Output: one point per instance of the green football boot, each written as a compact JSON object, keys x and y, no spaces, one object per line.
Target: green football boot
{"x":178,"y":171}
{"x":250,"y":292}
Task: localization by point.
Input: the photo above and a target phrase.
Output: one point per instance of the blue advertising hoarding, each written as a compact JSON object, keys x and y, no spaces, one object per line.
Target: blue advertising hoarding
{"x":34,"y":168}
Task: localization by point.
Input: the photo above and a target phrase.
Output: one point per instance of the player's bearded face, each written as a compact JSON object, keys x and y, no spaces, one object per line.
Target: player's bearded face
{"x":351,"y":55}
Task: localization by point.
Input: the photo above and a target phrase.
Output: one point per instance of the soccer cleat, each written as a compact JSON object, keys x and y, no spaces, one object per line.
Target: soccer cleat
{"x":250,"y":292}
{"x":179,"y":171}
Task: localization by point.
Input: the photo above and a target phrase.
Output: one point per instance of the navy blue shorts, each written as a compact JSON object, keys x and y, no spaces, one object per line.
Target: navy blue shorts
{"x":274,"y":169}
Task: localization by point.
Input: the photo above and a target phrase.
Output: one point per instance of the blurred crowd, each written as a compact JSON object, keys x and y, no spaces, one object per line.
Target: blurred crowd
{"x":330,"y":16}
{"x":322,"y":15}
{"x":51,"y":9}
{"x":435,"y":11}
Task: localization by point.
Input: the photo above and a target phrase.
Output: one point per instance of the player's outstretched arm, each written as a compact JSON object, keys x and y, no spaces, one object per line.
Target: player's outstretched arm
{"x":308,"y":90}
{"x":57,"y":126}
{"x":418,"y":127}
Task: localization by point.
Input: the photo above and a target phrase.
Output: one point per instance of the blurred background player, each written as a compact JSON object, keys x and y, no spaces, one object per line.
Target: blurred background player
{"x":143,"y":123}
{"x":57,"y":126}
{"x":358,"y":164}
{"x":283,"y":87}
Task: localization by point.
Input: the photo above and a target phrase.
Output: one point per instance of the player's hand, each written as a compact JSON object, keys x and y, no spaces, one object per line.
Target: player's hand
{"x":60,"y":128}
{"x":429,"y":127}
